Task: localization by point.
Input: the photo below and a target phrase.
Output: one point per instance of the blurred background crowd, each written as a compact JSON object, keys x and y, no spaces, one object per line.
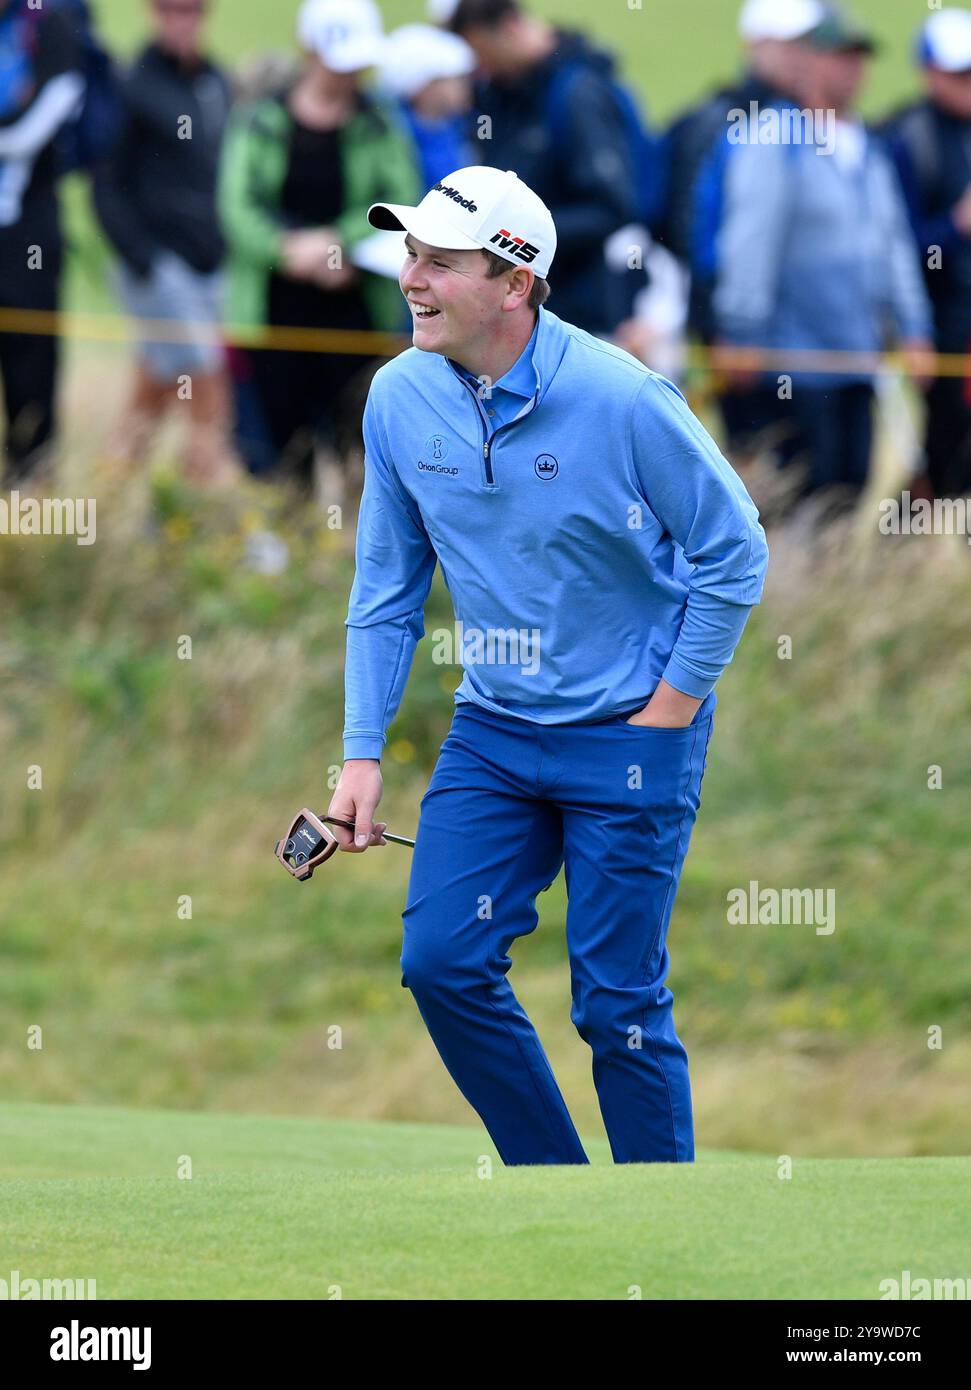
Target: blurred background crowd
{"x":767,"y":232}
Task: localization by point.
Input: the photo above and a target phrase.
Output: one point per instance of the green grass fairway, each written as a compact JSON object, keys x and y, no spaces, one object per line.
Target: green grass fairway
{"x":310,"y":1208}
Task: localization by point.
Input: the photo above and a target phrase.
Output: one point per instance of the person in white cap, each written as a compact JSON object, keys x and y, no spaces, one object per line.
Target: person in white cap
{"x":300,"y":169}
{"x":816,"y":256}
{"x":602,"y":558}
{"x":931,"y":143}
{"x":773,"y":34}
{"x":427,"y":71}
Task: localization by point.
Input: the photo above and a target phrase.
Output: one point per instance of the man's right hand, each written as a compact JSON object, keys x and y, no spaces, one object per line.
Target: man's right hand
{"x":356,"y":798}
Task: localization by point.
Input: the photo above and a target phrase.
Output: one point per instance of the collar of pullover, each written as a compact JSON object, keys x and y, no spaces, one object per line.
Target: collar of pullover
{"x":534,"y":369}
{"x":520,"y":379}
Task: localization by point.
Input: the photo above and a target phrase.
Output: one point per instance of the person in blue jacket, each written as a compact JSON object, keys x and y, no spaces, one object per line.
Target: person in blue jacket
{"x":602,"y":558}
{"x":427,"y":71}
{"x":815,"y":254}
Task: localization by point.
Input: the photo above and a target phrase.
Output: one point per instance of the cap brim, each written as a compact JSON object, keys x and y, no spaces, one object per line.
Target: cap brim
{"x":425,"y":225}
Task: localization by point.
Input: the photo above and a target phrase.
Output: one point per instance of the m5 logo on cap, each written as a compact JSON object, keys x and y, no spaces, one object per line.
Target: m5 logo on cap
{"x":525,"y":250}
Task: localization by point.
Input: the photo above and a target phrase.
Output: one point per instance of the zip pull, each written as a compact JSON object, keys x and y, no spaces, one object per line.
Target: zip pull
{"x":485,"y":449}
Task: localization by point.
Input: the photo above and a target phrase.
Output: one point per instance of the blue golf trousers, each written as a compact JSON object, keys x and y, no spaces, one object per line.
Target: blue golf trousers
{"x":508,"y":804}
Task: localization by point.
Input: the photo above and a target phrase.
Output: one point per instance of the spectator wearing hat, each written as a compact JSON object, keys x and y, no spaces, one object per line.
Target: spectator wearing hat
{"x":931,"y":143}
{"x":546,"y":105}
{"x":693,"y":155}
{"x":815,"y":252}
{"x":301,"y":167}
{"x":428,"y":71}
{"x":772,"y":33}
{"x":155,"y":195}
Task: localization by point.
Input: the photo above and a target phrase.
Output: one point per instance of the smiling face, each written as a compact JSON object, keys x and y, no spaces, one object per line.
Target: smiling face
{"x":470,"y":309}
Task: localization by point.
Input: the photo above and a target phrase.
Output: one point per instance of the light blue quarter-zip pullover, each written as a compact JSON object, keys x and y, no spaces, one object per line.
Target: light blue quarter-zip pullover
{"x":592,"y":537}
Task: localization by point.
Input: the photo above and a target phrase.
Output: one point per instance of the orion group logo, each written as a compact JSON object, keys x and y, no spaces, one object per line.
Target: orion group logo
{"x":436,"y":451}
{"x":436,"y":448}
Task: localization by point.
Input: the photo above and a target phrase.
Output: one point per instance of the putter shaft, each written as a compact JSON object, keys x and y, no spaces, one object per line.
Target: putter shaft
{"x":385,"y":834}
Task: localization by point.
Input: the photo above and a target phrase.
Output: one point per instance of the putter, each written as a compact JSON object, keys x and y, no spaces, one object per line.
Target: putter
{"x":308,"y":843}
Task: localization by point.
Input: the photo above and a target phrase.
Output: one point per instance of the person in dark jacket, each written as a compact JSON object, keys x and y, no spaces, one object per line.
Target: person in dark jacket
{"x":931,"y":144}
{"x":583,"y":172}
{"x":773,"y":33}
{"x":156,"y":198}
{"x":41,"y":88}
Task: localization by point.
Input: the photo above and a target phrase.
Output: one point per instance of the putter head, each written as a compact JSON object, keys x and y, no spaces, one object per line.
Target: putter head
{"x":307,"y":844}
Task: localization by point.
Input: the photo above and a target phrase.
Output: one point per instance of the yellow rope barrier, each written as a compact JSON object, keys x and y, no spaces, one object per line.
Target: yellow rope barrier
{"x":355,"y":342}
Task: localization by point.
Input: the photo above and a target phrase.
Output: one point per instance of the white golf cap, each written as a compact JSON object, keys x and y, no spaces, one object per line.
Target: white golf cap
{"x":478,"y":208}
{"x":346,"y":35}
{"x":779,"y":19}
{"x":945,"y":41}
{"x":417,"y":54}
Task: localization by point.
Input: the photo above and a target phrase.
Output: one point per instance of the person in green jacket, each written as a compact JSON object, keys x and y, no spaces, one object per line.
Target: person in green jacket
{"x":300,"y":168}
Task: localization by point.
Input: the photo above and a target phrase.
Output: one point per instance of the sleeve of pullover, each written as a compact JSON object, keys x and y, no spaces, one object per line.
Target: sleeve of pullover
{"x":395,"y":562}
{"x":702,"y":503}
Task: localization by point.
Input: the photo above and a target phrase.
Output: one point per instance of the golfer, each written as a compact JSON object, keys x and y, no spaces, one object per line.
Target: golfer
{"x":602,"y":558}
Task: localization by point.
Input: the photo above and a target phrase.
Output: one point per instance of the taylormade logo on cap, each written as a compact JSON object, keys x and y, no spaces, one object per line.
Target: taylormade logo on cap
{"x":454,"y":194}
{"x":478,"y":208}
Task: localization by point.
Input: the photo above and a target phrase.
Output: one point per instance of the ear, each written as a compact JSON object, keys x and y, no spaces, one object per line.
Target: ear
{"x":518,"y":286}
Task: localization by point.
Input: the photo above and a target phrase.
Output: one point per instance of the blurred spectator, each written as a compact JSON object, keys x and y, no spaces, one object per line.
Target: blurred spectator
{"x":41,"y":88}
{"x":156,"y":198}
{"x":90,"y":134}
{"x":300,"y":170}
{"x":427,"y":71}
{"x":931,"y":143}
{"x":815,"y":252}
{"x":771,"y":32}
{"x":548,"y":105}
{"x":693,"y":156}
